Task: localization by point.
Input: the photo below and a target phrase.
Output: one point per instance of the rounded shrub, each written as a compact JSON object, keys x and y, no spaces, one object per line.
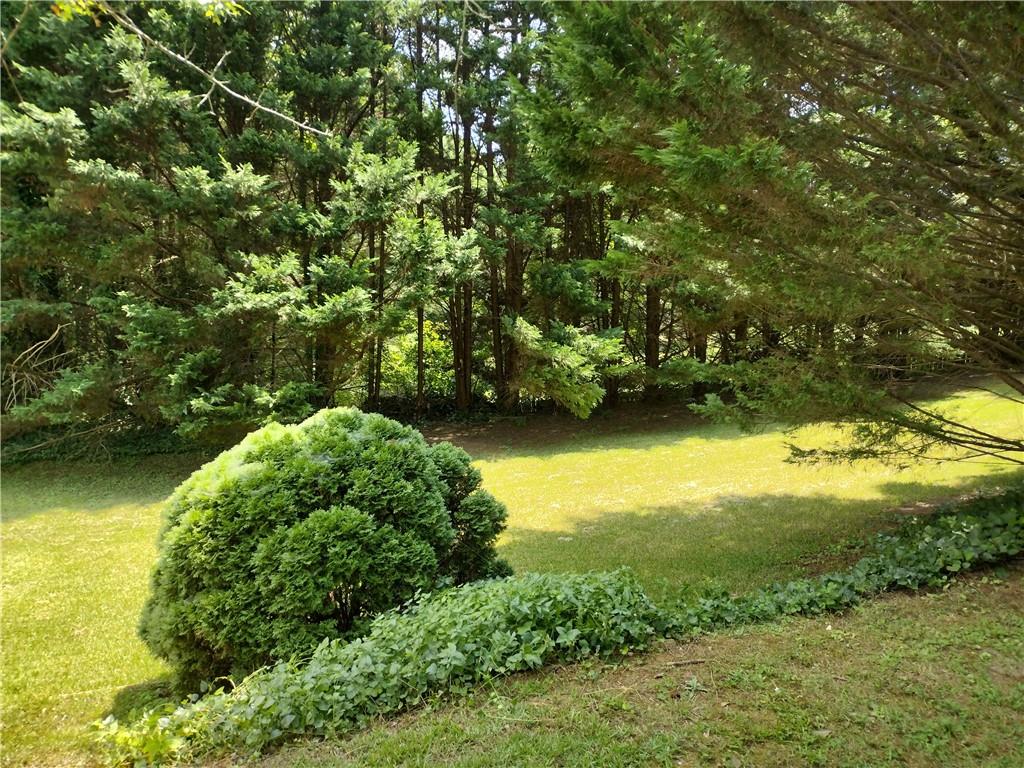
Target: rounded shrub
{"x":305,"y":532}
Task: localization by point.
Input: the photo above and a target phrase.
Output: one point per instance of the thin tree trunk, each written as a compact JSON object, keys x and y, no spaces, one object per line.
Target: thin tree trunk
{"x":501,"y":383}
{"x":463,"y":342}
{"x":740,"y":336}
{"x":699,"y":350}
{"x":421,"y":373}
{"x":615,"y":318}
{"x":371,"y":362}
{"x":652,"y":337}
{"x":379,"y":356}
{"x":699,"y":347}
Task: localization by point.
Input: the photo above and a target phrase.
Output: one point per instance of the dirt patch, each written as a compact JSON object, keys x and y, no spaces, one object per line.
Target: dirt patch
{"x":555,"y":430}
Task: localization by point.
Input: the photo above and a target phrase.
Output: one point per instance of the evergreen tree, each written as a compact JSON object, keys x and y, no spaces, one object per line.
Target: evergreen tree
{"x":215,"y":215}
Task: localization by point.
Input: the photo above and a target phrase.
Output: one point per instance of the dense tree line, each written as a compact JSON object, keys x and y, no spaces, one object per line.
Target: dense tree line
{"x":220,"y":214}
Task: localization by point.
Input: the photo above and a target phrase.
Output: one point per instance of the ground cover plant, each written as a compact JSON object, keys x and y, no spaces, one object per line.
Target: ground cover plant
{"x":476,"y":632}
{"x":443,"y":642}
{"x":306,"y":532}
{"x":908,"y":679}
{"x":682,"y":504}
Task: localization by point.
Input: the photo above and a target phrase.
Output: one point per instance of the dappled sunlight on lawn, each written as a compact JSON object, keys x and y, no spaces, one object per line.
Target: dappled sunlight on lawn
{"x":694,"y":503}
{"x":79,"y":541}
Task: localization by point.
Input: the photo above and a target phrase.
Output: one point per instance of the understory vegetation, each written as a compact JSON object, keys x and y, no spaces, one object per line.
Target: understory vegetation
{"x":266,"y":209}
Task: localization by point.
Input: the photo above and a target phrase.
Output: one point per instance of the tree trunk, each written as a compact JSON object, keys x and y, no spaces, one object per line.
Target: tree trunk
{"x":379,"y":356}
{"x":371,"y":362}
{"x":652,"y":338}
{"x":699,"y":347}
{"x":770,"y":338}
{"x":611,"y":383}
{"x":463,"y":304}
{"x":740,"y":337}
{"x":501,"y":382}
{"x":421,"y":374}
{"x":514,"y":285}
{"x":699,"y":350}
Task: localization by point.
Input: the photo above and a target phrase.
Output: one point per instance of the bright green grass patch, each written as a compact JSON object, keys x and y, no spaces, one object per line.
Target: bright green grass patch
{"x":679,"y":505}
{"x":688,"y":504}
{"x":78,"y":543}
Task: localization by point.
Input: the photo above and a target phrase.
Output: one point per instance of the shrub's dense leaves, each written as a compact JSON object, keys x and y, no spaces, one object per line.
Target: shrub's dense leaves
{"x":456,"y":637}
{"x":305,"y":532}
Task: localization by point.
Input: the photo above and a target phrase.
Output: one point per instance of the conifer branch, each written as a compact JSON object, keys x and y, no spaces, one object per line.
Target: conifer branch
{"x":215,"y":82}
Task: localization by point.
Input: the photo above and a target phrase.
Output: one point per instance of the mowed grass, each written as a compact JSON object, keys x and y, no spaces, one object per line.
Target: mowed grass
{"x":680,"y":503}
{"x":78,"y":543}
{"x":684,"y":505}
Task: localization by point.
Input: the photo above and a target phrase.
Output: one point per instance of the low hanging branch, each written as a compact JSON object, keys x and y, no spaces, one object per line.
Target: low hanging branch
{"x":211,"y":77}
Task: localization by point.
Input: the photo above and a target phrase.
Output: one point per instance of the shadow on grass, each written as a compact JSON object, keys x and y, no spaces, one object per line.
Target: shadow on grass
{"x":45,"y":487}
{"x":132,"y":701}
{"x":50,"y":486}
{"x":735,"y":542}
{"x":547,"y":435}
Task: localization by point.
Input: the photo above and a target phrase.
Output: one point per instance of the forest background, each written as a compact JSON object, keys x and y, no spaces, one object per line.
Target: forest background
{"x":219,"y":214}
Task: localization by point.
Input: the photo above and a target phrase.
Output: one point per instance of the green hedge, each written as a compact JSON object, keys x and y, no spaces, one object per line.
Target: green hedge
{"x":452,"y":639}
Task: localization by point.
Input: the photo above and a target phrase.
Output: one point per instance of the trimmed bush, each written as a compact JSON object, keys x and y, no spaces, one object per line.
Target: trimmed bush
{"x":306,"y":532}
{"x":445,"y":641}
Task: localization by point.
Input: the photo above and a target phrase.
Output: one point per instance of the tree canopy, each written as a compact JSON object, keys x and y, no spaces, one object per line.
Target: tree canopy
{"x":217,"y":215}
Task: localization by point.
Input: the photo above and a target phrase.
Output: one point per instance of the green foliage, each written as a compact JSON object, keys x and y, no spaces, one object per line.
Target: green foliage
{"x":305,"y":532}
{"x":812,"y":193}
{"x":565,"y":365}
{"x":210,"y":275}
{"x":116,"y":440}
{"x":814,"y":221}
{"x":442,"y":642}
{"x":399,"y":366}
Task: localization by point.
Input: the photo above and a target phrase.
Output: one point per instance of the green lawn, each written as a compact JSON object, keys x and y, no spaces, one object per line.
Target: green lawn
{"x":680,"y":503}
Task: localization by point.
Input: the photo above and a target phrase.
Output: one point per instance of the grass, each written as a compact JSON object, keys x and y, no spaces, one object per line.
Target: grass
{"x":680,"y":503}
{"x":906,"y":680}
{"x":78,"y":543}
{"x":684,"y":505}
